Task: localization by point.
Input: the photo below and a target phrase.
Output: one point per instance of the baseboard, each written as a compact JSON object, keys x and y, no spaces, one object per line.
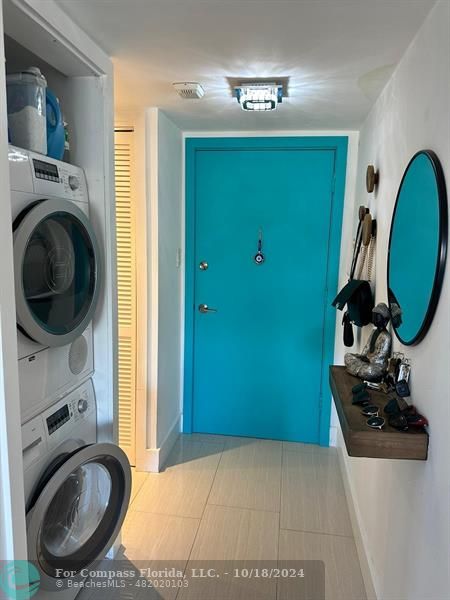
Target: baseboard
{"x":155,"y":458}
{"x":169,"y":441}
{"x":358,"y":531}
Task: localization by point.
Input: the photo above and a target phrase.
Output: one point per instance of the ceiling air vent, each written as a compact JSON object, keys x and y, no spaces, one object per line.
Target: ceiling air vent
{"x":189,"y":90}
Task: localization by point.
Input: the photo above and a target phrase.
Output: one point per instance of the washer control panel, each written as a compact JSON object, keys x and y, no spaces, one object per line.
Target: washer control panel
{"x":72,"y":417}
{"x":57,"y":419}
{"x":45,"y":170}
{"x":75,"y":408}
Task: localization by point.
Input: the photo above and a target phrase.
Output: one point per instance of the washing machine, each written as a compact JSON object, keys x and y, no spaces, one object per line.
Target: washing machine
{"x":77,"y":492}
{"x":57,"y":272}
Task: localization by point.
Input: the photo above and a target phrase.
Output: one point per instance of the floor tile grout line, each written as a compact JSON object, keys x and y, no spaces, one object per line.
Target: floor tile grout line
{"x":340,"y":535}
{"x":196,"y":442}
{"x":315,"y":456}
{"x":212,"y":483}
{"x":314,"y":452}
{"x":335,"y":535}
{"x":137,"y":492}
{"x":139,"y":488}
{"x":152,"y":512}
{"x":190,"y":441}
{"x":200,"y":520}
{"x":263,"y":510}
{"x":160,"y":514}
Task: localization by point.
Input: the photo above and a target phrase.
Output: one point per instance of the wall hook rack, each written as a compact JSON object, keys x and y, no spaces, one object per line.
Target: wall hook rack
{"x":372,"y":178}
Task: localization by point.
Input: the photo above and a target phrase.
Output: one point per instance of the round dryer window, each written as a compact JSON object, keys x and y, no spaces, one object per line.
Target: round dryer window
{"x":56,"y":263}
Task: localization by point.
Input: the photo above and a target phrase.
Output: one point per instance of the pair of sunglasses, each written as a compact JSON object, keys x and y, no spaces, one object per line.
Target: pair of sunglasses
{"x":361,"y":398}
{"x":403,"y":421}
{"x":370,"y":411}
{"x":376,"y":422}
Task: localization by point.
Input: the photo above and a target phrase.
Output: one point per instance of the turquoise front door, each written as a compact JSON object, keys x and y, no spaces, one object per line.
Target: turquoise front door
{"x":257,"y":357}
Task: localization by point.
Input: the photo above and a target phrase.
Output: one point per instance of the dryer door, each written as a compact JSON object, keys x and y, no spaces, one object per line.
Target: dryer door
{"x":57,"y":274}
{"x":79,"y":512}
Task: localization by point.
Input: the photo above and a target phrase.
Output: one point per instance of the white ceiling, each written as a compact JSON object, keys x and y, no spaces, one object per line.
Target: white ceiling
{"x":337,"y":53}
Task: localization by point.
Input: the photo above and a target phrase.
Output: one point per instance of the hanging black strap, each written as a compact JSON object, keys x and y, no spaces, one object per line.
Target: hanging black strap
{"x":356,"y":250}
{"x":348,"y":331}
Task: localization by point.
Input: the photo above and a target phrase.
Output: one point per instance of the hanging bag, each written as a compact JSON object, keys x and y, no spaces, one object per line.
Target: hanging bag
{"x":358,"y":297}
{"x":357,"y":294}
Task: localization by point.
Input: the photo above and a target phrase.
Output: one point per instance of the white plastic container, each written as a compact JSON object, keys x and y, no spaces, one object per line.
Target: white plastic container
{"x":27,"y":123}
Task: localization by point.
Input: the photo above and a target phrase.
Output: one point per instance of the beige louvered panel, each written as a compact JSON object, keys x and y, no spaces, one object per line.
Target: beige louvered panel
{"x":126,"y":393}
{"x":126,"y":292}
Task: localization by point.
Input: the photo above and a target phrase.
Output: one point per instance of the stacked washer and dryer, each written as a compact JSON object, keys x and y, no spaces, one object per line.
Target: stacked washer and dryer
{"x":77,"y":490}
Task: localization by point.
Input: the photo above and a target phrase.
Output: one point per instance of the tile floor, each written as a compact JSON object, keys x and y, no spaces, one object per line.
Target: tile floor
{"x":240,"y":499}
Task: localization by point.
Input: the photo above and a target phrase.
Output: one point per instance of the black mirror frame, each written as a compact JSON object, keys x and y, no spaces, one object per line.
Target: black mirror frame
{"x":443,"y":245}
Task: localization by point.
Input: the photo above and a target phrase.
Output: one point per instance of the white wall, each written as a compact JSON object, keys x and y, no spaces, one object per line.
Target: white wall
{"x":404,"y":506}
{"x":164,"y":167}
{"x":169,"y":235}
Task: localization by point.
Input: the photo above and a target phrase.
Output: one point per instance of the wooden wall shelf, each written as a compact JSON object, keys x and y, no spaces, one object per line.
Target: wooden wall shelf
{"x":372,"y":443}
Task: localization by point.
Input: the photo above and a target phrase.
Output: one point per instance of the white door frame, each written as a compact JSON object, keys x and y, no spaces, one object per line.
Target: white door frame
{"x":347,"y":220}
{"x":12,"y":503}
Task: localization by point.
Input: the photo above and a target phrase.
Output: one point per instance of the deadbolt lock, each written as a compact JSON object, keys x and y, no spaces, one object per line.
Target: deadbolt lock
{"x":203,"y":266}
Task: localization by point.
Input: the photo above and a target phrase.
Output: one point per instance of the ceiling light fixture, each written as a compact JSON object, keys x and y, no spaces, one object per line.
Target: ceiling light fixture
{"x":259,"y":96}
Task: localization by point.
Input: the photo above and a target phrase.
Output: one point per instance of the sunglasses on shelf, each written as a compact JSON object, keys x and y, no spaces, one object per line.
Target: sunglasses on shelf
{"x":376,"y":422}
{"x":370,"y":411}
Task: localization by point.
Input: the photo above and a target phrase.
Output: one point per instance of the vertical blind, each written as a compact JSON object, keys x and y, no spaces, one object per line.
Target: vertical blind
{"x":126,"y":284}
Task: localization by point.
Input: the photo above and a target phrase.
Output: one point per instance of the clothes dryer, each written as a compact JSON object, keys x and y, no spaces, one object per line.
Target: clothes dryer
{"x":57,"y":271}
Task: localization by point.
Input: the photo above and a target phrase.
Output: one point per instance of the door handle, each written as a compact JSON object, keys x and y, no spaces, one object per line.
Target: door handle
{"x":204,"y":308}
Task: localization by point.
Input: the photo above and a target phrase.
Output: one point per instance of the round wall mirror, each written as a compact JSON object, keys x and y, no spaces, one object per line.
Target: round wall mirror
{"x":417,"y":247}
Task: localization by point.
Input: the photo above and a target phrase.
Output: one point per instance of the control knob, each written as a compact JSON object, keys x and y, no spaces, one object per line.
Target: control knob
{"x":74,"y":182}
{"x":82,"y":405}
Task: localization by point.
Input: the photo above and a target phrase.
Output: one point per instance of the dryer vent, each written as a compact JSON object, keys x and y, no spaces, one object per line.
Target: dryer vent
{"x":189,"y":90}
